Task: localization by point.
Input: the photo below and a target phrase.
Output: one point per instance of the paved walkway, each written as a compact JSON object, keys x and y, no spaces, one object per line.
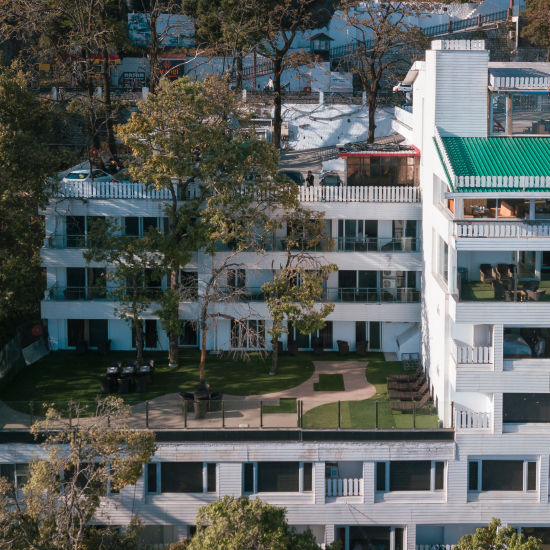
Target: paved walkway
{"x":166,"y":411}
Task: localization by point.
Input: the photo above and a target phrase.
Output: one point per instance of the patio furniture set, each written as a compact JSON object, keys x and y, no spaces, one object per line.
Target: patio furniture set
{"x":501,"y":277}
{"x":200,"y":402}
{"x":408,"y":391}
{"x":128,"y":377}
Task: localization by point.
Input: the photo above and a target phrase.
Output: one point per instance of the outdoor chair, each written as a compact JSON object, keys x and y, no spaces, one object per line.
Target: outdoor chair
{"x":485,"y":273}
{"x":535,"y":295}
{"x":361,"y":347}
{"x":410,"y":405}
{"x":410,"y":395}
{"x":343,"y":347}
{"x":105,"y":385}
{"x":141,"y":383}
{"x":530,"y":285}
{"x":186,"y":401}
{"x":215,"y":403}
{"x":406,"y":377}
{"x":123,"y":385}
{"x":406,"y":386}
{"x":501,"y":272}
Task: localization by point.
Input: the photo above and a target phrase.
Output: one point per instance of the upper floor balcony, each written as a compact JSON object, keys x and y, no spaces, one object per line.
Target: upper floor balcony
{"x":140,"y":191}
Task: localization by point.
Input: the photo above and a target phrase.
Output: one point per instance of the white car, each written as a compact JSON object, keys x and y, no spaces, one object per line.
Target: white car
{"x":84,"y":175}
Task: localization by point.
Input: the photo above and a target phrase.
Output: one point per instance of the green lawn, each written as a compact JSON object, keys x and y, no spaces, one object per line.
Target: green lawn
{"x":63,"y":375}
{"x":362,"y":414}
{"x":286,"y":405}
{"x":329,"y":382}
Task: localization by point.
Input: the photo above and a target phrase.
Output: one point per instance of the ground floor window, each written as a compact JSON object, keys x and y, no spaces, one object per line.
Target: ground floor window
{"x":93,"y":331}
{"x":188,"y":335}
{"x":150,"y":335}
{"x":502,"y":475}
{"x":369,"y":332}
{"x":249,"y":334}
{"x":320,"y":338}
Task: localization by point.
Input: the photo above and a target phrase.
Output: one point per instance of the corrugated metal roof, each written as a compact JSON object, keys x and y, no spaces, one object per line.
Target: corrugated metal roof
{"x":498,"y":156}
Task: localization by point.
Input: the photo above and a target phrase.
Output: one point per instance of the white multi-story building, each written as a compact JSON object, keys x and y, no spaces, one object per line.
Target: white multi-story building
{"x":482,"y":131}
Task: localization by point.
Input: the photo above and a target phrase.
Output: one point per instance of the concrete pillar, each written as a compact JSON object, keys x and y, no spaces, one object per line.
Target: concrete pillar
{"x":319,"y":482}
{"x":410,"y":536}
{"x":498,"y":347}
{"x":368,"y":482}
{"x":497,"y":413}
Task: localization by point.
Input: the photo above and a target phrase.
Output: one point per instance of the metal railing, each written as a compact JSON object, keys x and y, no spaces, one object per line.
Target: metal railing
{"x":91,"y":293}
{"x":343,"y":487}
{"x":373,"y":244}
{"x":175,"y":413}
{"x":352,"y":193}
{"x":340,"y":294}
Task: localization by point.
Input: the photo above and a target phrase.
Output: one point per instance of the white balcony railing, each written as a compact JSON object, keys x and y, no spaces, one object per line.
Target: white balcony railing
{"x":467,"y":419}
{"x":434,"y":547}
{"x":474,"y":355}
{"x":360,"y":194}
{"x":501,"y":229}
{"x":343,"y":487}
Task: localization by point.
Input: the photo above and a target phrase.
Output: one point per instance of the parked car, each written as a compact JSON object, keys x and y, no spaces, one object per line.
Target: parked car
{"x":84,"y":175}
{"x":330,"y":179}
{"x":293,"y":175}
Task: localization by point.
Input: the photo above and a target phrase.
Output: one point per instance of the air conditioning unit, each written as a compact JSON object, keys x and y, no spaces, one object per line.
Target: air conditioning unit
{"x":389,"y":283}
{"x":388,"y":274}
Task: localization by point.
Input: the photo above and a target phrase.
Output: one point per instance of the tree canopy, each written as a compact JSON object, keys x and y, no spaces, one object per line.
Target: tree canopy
{"x":496,"y":537}
{"x":537,"y":27}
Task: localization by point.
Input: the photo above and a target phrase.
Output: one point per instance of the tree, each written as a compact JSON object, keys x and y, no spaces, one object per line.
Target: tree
{"x":537,"y":27}
{"x":84,"y":456}
{"x":298,"y":282}
{"x":280,"y":21}
{"x":134,"y":264}
{"x":26,"y":127}
{"x":495,"y":537}
{"x":243,"y":524}
{"x":187,"y":139}
{"x":385,"y":40}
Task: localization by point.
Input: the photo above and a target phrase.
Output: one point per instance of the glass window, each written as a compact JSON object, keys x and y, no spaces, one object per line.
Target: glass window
{"x":526,"y":407}
{"x":439,"y":475}
{"x":473,"y":475}
{"x":502,"y":475}
{"x":188,"y":336}
{"x":275,"y":477}
{"x":75,"y":332}
{"x":375,"y":335}
{"x":181,"y":477}
{"x":410,"y":475}
{"x":98,"y":331}
{"x":531,"y":476}
{"x":369,"y":537}
{"x":131,"y":226}
{"x":248,"y":477}
{"x":380,"y":476}
{"x":308,"y":475}
{"x":149,"y":222}
{"x":152,"y":478}
{"x":211,"y":478}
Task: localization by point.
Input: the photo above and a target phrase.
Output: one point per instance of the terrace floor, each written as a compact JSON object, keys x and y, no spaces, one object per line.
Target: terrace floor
{"x":252,"y":398}
{"x":478,"y":291}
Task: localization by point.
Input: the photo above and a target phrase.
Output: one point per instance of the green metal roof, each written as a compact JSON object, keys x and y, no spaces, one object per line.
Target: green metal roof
{"x":496,"y":157}
{"x":499,"y":156}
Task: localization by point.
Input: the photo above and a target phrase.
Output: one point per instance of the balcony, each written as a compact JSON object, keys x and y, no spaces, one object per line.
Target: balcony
{"x":343,"y":487}
{"x":505,"y":291}
{"x":392,"y":194}
{"x":356,"y":295}
{"x":466,"y":419}
{"x":403,"y":244}
{"x":496,"y":229}
{"x":92,"y":293}
{"x":473,"y":355}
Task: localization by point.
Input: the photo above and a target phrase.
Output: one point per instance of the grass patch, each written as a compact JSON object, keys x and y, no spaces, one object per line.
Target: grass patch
{"x":363,"y":414}
{"x":329,"y":382}
{"x":286,"y":405}
{"x":64,"y":376}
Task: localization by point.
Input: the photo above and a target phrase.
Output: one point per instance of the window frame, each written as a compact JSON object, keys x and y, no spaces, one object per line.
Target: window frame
{"x":387,"y":477}
{"x":158,"y":478}
{"x":301,"y":489}
{"x":525,"y":475}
